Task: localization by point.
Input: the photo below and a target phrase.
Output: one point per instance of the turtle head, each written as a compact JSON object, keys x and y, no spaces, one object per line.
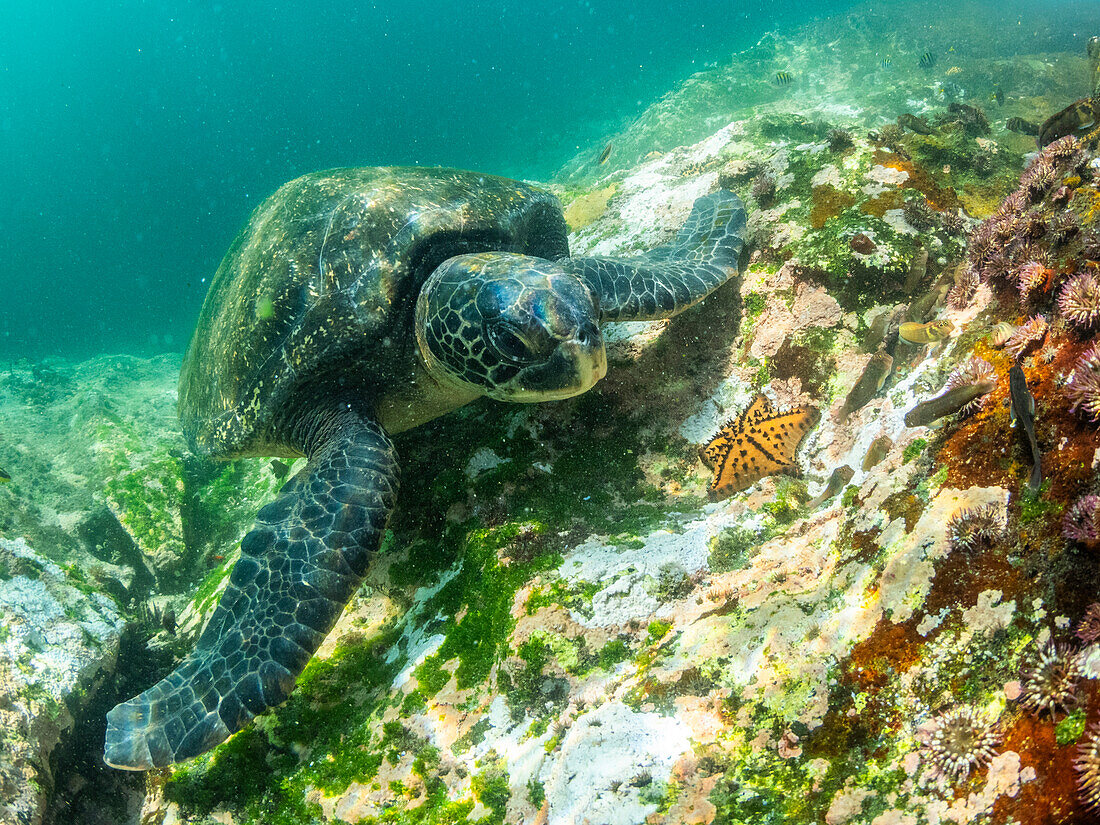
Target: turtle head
{"x":513,"y":327}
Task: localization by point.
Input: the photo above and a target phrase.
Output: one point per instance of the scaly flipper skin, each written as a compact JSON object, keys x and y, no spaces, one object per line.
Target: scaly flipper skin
{"x":299,"y":566}
{"x":672,"y":277}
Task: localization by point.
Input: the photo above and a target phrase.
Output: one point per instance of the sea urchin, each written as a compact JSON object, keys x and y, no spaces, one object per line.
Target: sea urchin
{"x":1026,"y":336}
{"x":1079,"y":300}
{"x":1051,"y":682}
{"x":1087,"y":764}
{"x":961,"y":741}
{"x":974,"y":527}
{"x":1082,"y":521}
{"x":1083,"y":387}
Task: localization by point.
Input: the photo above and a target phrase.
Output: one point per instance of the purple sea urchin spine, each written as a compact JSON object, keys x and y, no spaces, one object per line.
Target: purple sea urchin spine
{"x":1079,"y":300}
{"x":1082,"y":520}
{"x":1083,"y":388}
{"x":1051,"y":683}
{"x":961,"y":741}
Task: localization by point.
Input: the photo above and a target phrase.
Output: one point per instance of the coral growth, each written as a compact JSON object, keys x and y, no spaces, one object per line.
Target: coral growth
{"x":1027,"y":336}
{"x":1079,"y":300}
{"x":1051,"y":682}
{"x":1082,"y":520}
{"x":1083,"y":388}
{"x":961,"y":741}
{"x":974,"y":527}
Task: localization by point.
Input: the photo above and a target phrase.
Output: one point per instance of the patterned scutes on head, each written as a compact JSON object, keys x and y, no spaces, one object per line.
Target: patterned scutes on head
{"x":757,"y":443}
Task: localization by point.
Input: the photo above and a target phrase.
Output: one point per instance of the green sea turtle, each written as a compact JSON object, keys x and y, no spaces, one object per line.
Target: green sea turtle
{"x":357,"y":303}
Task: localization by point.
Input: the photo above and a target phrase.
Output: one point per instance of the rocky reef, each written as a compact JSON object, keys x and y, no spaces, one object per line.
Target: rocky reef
{"x":562,"y":626}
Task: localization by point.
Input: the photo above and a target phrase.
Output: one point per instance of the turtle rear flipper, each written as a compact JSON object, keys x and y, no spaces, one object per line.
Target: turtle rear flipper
{"x":299,"y":566}
{"x":670,"y":278}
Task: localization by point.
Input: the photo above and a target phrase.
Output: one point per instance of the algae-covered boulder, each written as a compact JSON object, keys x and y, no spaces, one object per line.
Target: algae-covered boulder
{"x":59,"y":638}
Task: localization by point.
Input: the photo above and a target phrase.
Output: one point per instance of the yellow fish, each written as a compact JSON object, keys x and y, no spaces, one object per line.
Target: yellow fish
{"x":4,"y":477}
{"x":928,"y":333}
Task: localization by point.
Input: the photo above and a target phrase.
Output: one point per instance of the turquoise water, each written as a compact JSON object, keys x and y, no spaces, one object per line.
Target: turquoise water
{"x":137,"y":137}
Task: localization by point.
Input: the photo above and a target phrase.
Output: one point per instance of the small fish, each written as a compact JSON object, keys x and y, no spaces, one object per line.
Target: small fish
{"x":928,"y":333}
{"x":1022,"y":408}
{"x":927,"y":60}
{"x":279,"y":468}
{"x":998,"y":95}
{"x":914,"y":123}
{"x":604,"y":155}
{"x":5,"y":477}
{"x":837,"y":482}
{"x":877,"y":451}
{"x":784,"y":78}
{"x":1078,"y":117}
{"x":1021,"y":126}
{"x":867,"y":387}
{"x":885,"y":62}
{"x":918,"y":268}
{"x":946,"y":403}
{"x":876,"y":332}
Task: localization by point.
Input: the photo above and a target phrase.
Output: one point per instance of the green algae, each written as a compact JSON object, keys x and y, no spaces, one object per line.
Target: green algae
{"x":913,"y":449}
{"x":491,"y":785}
{"x":729,"y":549}
{"x":1069,"y":730}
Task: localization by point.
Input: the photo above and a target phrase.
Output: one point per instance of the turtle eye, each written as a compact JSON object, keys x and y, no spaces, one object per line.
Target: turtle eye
{"x":509,"y":343}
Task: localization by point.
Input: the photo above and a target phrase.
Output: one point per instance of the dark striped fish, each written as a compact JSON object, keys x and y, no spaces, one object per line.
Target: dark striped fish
{"x":1021,"y":126}
{"x":4,"y":477}
{"x":885,"y":62}
{"x":605,"y":154}
{"x":784,"y":78}
{"x":927,"y":60}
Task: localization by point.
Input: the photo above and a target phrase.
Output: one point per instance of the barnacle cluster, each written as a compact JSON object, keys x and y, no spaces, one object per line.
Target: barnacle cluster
{"x":961,"y":741}
{"x":1050,"y":683}
{"x":974,"y":527}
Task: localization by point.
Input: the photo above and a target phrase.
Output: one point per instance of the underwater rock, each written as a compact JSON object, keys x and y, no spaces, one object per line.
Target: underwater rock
{"x":57,"y":642}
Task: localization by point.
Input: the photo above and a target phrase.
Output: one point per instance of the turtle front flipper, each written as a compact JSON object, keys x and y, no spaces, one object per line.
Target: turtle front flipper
{"x":299,"y":566}
{"x":670,"y":278}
